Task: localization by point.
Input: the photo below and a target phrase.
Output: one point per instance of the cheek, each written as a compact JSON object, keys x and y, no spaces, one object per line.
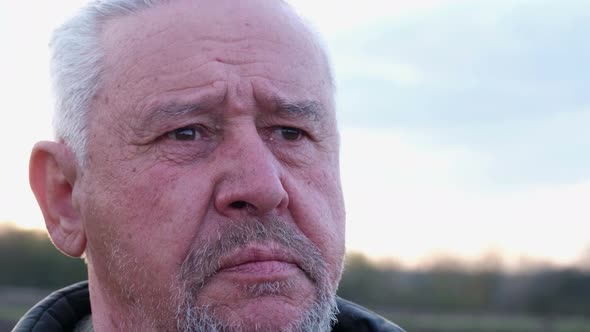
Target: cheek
{"x":318,"y":209}
{"x":151,"y":214}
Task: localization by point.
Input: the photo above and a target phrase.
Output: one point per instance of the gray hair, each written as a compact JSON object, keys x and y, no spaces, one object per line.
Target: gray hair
{"x":76,"y":65}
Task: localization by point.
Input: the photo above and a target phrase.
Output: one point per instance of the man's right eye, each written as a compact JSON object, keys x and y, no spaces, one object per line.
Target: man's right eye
{"x":189,"y":133}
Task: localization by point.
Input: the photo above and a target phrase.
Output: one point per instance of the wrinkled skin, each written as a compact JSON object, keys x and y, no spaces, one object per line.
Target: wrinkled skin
{"x":188,"y":134}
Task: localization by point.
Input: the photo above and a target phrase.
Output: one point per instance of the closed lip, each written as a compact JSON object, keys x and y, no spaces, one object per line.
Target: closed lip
{"x":255,"y":253}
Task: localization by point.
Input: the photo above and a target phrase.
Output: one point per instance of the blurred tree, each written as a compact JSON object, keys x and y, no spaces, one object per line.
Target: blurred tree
{"x":28,"y":258}
{"x":564,"y":291}
{"x":449,"y":285}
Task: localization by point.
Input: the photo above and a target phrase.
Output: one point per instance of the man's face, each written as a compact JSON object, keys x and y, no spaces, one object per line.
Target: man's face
{"x":212,"y":190}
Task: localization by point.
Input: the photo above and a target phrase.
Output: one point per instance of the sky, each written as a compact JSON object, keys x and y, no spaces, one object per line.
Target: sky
{"x":464,"y":124}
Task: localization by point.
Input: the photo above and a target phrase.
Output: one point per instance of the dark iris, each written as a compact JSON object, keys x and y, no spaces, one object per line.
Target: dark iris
{"x":183,"y":134}
{"x":291,"y":134}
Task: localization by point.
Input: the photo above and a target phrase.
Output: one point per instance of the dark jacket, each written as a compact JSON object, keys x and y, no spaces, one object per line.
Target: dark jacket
{"x":63,"y":309}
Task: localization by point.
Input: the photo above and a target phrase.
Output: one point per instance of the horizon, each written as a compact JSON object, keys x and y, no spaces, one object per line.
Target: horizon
{"x":487,"y":261}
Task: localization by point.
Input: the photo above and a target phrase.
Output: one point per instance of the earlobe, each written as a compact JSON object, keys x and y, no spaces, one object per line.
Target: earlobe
{"x":53,"y":175}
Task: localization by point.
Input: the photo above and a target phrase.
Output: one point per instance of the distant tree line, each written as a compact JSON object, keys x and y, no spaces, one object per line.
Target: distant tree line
{"x":447,"y":287}
{"x":28,"y":259}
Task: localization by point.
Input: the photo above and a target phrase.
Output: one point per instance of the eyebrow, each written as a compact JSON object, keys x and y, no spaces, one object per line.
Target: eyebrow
{"x":161,"y":112}
{"x":174,"y":110}
{"x":307,"y":109}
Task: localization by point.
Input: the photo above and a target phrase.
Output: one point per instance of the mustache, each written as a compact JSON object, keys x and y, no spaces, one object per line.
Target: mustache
{"x":204,"y":259}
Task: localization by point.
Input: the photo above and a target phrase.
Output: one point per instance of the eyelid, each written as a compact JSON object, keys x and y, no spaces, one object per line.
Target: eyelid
{"x":200,"y":131}
{"x":278,"y":130}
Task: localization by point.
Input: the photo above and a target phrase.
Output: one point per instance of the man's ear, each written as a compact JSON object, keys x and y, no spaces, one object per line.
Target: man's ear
{"x":53,"y":173}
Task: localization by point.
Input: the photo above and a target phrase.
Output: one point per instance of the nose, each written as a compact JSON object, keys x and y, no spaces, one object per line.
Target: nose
{"x":251,"y":183}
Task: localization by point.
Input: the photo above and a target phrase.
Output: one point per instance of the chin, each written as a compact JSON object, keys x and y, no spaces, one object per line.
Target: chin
{"x":269,"y":306}
{"x":276,"y":301}
{"x":269,"y":313}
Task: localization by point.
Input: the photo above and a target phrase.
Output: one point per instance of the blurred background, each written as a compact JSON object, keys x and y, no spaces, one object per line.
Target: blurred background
{"x":465,"y":159}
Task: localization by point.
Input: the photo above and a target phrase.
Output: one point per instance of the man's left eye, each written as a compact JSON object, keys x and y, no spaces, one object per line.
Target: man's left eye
{"x":289,"y":133}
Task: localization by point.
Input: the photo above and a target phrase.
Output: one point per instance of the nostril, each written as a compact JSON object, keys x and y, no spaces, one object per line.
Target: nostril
{"x":239,"y":205}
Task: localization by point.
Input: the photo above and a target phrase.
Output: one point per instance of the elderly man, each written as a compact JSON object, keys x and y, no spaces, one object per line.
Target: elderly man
{"x":196,"y":170}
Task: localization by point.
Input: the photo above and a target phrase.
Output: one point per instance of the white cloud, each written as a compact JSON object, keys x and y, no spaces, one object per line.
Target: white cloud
{"x":335,"y":16}
{"x":402,"y":73}
{"x":409,"y":200}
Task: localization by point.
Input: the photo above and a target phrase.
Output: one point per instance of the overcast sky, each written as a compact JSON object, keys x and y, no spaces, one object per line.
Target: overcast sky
{"x":464,"y":123}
